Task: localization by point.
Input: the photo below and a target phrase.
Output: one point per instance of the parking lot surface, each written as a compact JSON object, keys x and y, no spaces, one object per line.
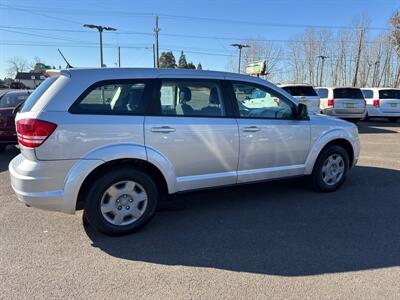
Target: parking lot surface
{"x":270,"y":240}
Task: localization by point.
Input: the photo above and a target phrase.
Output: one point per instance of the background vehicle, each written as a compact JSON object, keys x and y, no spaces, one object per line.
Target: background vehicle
{"x":383,"y":103}
{"x":305,"y":94}
{"x":17,"y":86}
{"x":342,"y":102}
{"x":8,"y":102}
{"x":138,"y":134}
{"x":4,"y":86}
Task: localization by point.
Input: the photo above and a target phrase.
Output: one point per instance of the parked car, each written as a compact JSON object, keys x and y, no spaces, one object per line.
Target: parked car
{"x":114,"y":141}
{"x":342,"y":102}
{"x":8,"y":102}
{"x":383,"y":103}
{"x":17,"y":86}
{"x":4,"y":86}
{"x":304,"y":94}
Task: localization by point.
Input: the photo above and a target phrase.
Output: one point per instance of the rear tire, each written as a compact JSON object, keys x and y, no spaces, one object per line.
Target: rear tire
{"x":393,"y":119}
{"x":121,"y":201}
{"x":330,"y":169}
{"x":2,"y":148}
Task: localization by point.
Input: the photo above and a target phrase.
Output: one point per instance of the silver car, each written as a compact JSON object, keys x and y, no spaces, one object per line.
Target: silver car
{"x":114,"y":141}
{"x":342,"y":102}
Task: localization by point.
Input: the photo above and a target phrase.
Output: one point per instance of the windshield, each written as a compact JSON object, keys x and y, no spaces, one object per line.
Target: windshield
{"x":34,"y":97}
{"x":348,"y":93}
{"x":300,"y":90}
{"x":389,"y":94}
{"x":12,"y":99}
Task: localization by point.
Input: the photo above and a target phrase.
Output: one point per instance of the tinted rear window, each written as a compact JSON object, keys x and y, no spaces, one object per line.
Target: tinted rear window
{"x":323,"y":93}
{"x":348,"y":93}
{"x":34,"y":97}
{"x":300,"y":90}
{"x":368,"y":94}
{"x":12,"y":99}
{"x":389,"y":94}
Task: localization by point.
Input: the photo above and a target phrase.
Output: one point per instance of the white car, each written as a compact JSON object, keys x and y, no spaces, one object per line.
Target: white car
{"x":114,"y":141}
{"x":342,"y":102}
{"x":304,"y":94}
{"x":383,"y":103}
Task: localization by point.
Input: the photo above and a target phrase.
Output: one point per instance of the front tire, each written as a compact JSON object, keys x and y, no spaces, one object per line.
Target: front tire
{"x":121,"y":201}
{"x":330,"y":169}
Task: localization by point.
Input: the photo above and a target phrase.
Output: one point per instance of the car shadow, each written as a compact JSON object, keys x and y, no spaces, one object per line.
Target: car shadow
{"x":278,"y":228}
{"x":377,"y":126}
{"x":7,"y":156}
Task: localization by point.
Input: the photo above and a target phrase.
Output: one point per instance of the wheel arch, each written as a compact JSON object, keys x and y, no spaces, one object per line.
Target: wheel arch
{"x":144,"y":165}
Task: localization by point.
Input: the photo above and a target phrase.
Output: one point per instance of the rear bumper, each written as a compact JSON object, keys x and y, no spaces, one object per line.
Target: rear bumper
{"x":344,"y":115}
{"x":41,"y":183}
{"x":377,"y":112}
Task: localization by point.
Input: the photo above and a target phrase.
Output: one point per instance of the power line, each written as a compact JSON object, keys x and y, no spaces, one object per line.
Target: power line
{"x":180,"y":17}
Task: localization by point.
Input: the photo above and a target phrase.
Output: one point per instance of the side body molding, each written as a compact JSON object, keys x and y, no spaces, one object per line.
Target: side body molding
{"x":318,"y":144}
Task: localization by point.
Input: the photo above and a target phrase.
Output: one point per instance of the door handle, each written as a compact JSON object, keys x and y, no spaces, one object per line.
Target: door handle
{"x":251,"y":129}
{"x":163,"y":129}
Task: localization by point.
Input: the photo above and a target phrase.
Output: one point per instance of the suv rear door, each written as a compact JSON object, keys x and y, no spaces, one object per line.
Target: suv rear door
{"x":348,"y":101}
{"x":306,"y":95}
{"x":389,"y":100}
{"x":191,"y":125}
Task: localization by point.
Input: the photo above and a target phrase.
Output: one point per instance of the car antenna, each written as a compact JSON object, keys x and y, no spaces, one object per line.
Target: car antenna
{"x":68,"y":65}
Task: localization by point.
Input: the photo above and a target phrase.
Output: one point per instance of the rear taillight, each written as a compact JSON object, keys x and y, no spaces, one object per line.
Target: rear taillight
{"x":32,"y":132}
{"x":376,"y":103}
{"x":331,"y":102}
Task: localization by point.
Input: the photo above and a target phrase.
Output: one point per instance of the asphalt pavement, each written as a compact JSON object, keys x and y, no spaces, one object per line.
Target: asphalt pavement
{"x":276,"y":240}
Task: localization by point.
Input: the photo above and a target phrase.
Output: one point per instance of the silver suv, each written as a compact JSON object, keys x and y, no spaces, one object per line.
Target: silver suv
{"x":114,"y":141}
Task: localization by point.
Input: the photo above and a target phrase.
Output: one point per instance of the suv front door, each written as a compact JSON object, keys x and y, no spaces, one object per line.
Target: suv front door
{"x":273,"y":143}
{"x":190,"y":125}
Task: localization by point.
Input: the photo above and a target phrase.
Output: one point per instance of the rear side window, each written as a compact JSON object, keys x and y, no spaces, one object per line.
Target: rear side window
{"x":323,"y":93}
{"x":12,"y":99}
{"x":369,"y":94}
{"x":37,"y":93}
{"x":389,"y":94}
{"x":198,"y":98}
{"x":348,"y":93}
{"x":117,"y":98}
{"x":300,"y":90}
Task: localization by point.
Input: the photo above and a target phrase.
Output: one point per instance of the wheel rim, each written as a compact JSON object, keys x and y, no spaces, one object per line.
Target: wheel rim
{"x":123,"y":203}
{"x":333,"y":169}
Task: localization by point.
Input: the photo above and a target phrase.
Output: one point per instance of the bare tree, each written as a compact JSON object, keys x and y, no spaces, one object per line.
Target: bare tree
{"x":16,"y":64}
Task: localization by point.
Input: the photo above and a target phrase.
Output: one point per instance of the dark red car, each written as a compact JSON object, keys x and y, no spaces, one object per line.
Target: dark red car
{"x":8,"y":102}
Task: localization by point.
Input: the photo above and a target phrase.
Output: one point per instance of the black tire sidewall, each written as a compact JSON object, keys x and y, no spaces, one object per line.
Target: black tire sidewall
{"x":95,"y":193}
{"x":317,"y":181}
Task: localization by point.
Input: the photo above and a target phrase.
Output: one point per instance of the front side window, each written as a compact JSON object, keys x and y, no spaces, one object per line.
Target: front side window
{"x":191,"y":98}
{"x":117,"y":98}
{"x":322,"y":93}
{"x":369,"y":94}
{"x":259,"y":102}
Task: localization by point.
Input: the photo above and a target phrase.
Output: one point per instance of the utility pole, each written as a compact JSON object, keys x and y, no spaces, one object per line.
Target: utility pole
{"x":100,"y":30}
{"x":240,"y":46}
{"x":322,"y":57}
{"x":358,"y":57}
{"x":119,"y":57}
{"x":156,"y":31}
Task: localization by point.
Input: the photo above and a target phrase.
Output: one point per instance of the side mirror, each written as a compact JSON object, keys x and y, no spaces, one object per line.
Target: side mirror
{"x":302,"y":112}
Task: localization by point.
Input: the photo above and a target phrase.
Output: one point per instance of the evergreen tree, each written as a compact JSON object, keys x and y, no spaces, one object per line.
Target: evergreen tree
{"x":182,"y":64}
{"x":190,"y":66}
{"x":167,"y":60}
{"x":199,"y":66}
